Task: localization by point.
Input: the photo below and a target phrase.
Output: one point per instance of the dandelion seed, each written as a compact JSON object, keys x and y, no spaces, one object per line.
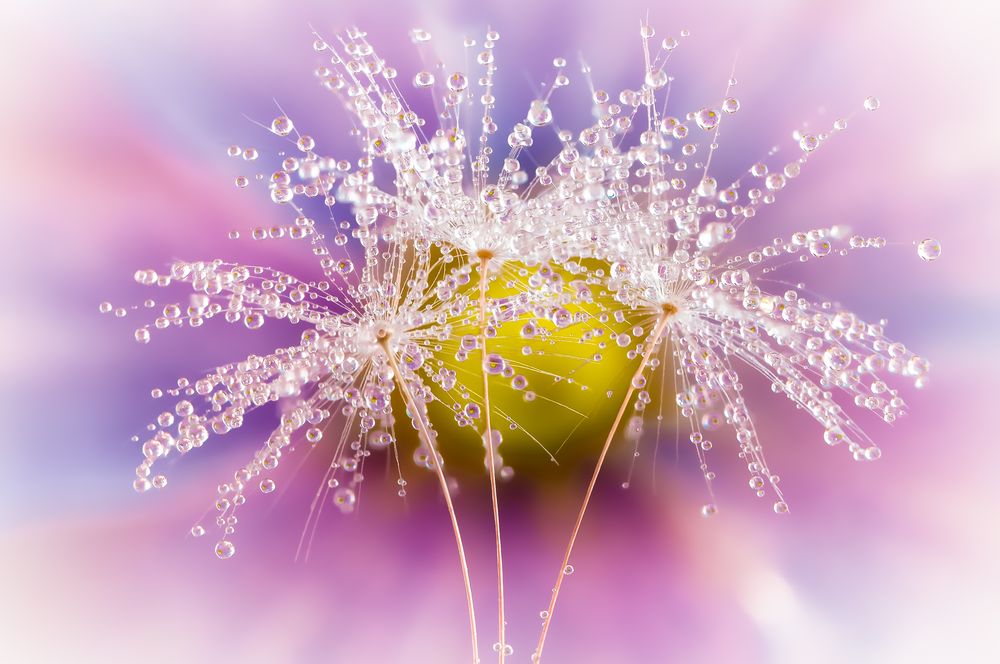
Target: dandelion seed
{"x":454,"y":255}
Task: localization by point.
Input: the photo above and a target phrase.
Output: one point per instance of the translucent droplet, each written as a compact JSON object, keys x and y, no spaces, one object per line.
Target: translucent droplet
{"x":820,"y":248}
{"x":253,"y":320}
{"x":708,"y":510}
{"x":344,"y":498}
{"x":808,"y":142}
{"x":539,"y":113}
{"x":267,"y":486}
{"x":780,"y":507}
{"x":457,"y":82}
{"x":225,"y":549}
{"x":929,"y":249}
{"x":656,"y":78}
{"x":282,"y":194}
{"x":423,"y":79}
{"x":568,"y":570}
{"x":197,"y":531}
{"x":872,"y":103}
{"x":419,"y":36}
{"x":707,"y":118}
{"x":775,"y":182}
{"x":837,"y":358}
{"x":282,"y":126}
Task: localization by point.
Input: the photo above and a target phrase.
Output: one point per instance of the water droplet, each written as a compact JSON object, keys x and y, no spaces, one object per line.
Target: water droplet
{"x":708,"y":509}
{"x":267,"y":486}
{"x":539,"y":113}
{"x":820,"y":248}
{"x":225,"y":549}
{"x":568,"y":570}
{"x":419,"y":36}
{"x":808,"y":142}
{"x":253,"y":320}
{"x":344,"y":498}
{"x":837,"y":358}
{"x":872,"y":103}
{"x":929,"y":249}
{"x":780,"y":507}
{"x":707,"y":118}
{"x":457,"y":82}
{"x":656,"y":78}
{"x":282,"y":126}
{"x":775,"y":182}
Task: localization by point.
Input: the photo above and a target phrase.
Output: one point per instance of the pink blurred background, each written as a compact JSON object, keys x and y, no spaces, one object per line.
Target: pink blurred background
{"x":116,"y":119}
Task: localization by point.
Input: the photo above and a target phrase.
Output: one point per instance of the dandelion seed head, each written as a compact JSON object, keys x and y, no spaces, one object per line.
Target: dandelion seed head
{"x":620,"y":242}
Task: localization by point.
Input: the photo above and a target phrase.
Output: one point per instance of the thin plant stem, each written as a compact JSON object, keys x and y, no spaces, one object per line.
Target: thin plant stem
{"x":424,"y":429}
{"x":653,"y":339}
{"x":484,"y":263}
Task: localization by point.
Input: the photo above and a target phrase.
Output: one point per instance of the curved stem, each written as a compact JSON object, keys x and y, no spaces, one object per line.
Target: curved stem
{"x":424,"y":429}
{"x":653,"y":339}
{"x":484,"y":263}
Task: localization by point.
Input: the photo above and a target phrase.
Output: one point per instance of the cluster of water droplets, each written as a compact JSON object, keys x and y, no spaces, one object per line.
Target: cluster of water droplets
{"x":620,"y":240}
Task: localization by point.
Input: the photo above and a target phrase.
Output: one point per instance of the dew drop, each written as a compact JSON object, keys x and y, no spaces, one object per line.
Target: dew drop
{"x":225,"y":549}
{"x":872,"y":103}
{"x":253,"y":320}
{"x":344,"y":498}
{"x":808,"y":142}
{"x":282,"y":126}
{"x":929,"y":249}
{"x":457,"y":82}
{"x":539,"y":113}
{"x":707,"y":118}
{"x":423,"y":79}
{"x":820,"y":248}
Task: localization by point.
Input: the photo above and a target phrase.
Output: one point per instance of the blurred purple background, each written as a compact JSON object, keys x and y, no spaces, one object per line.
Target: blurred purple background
{"x":116,"y":119}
